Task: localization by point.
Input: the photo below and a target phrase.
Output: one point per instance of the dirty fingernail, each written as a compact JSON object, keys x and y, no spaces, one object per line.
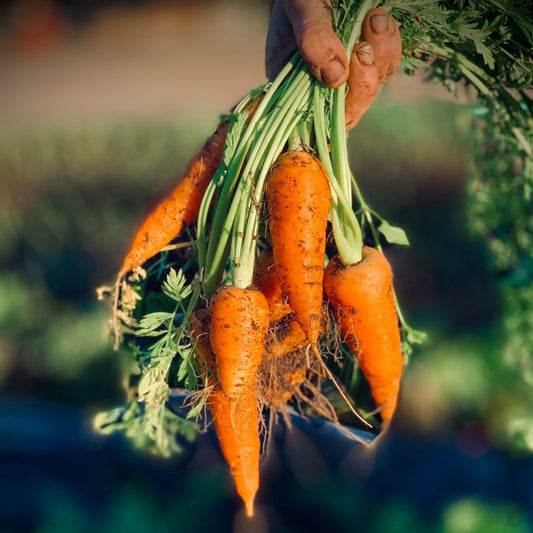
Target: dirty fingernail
{"x":348,"y":121}
{"x":332,"y":71}
{"x":379,"y":23}
{"x":365,"y":53}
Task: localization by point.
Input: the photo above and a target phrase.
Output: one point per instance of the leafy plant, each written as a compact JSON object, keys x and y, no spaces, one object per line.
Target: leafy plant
{"x":146,"y":418}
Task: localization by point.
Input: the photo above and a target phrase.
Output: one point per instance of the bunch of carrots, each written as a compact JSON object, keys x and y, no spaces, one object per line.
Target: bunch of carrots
{"x":268,"y":190}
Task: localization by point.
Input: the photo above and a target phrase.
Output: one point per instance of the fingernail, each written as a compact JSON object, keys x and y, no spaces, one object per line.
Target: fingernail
{"x":379,"y":23}
{"x":332,"y":71}
{"x":348,"y":121}
{"x":365,"y":53}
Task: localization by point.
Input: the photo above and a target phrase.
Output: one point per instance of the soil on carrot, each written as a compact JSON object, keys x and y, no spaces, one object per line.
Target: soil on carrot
{"x":294,"y":380}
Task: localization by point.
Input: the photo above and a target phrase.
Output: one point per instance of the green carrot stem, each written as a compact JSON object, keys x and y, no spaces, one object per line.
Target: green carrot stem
{"x":339,"y":155}
{"x":236,"y":162}
{"x":221,"y":227}
{"x":300,"y":138}
{"x":243,"y":273}
{"x":201,"y":249}
{"x":522,"y":140}
{"x":215,"y":257}
{"x":267,"y":148}
{"x":346,"y":229}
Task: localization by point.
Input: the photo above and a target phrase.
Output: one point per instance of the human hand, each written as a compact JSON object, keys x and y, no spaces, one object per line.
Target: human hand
{"x":305,"y":25}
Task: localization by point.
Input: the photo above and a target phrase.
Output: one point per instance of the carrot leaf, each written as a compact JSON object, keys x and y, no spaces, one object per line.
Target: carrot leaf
{"x":150,"y":324}
{"x":175,"y":286}
{"x":393,"y":234}
{"x":196,"y":408}
{"x":157,"y":429}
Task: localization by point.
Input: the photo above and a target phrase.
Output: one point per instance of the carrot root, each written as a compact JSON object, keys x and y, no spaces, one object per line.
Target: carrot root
{"x":298,"y":196}
{"x":237,"y":334}
{"x":362,"y":301}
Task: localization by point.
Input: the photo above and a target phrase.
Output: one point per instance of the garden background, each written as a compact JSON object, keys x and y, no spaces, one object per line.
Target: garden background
{"x":102,"y":104}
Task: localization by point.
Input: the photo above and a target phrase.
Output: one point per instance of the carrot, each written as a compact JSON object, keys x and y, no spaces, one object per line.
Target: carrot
{"x":280,"y":378}
{"x":180,"y":208}
{"x":237,"y":333}
{"x":266,"y":280}
{"x":239,"y":443}
{"x":177,"y":210}
{"x":298,"y":200}
{"x":219,"y":405}
{"x":289,"y":336}
{"x":362,"y":301}
{"x":230,"y":438}
{"x":285,"y":334}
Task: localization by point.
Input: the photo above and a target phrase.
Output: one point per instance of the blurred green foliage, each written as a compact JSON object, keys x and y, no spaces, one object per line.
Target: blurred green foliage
{"x":471,"y":516}
{"x":134,"y":509}
{"x":137,"y":508}
{"x":501,"y":210}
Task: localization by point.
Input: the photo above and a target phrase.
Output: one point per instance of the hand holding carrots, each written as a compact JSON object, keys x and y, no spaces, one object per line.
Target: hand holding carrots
{"x":305,"y":25}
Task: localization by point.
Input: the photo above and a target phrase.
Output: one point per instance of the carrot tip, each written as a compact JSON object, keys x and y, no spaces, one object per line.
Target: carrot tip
{"x":250,"y":506}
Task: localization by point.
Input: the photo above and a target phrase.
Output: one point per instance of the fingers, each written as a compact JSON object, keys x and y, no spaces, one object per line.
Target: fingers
{"x":308,"y":24}
{"x":321,"y":49}
{"x":305,"y":25}
{"x":381,"y":31}
{"x":374,"y":62}
{"x":363,"y":83}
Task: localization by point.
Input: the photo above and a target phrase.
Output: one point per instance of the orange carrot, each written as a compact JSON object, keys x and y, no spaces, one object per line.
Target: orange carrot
{"x":298,"y":199}
{"x":290,"y":337}
{"x":230,"y":438}
{"x":281,"y":378}
{"x":219,"y":405}
{"x":362,"y":301}
{"x":287,"y":335}
{"x":237,"y":333}
{"x":266,"y":280}
{"x":180,"y":208}
{"x":177,"y":210}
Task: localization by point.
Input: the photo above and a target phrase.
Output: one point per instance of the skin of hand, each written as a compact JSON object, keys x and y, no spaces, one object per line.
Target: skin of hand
{"x":305,"y":25}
